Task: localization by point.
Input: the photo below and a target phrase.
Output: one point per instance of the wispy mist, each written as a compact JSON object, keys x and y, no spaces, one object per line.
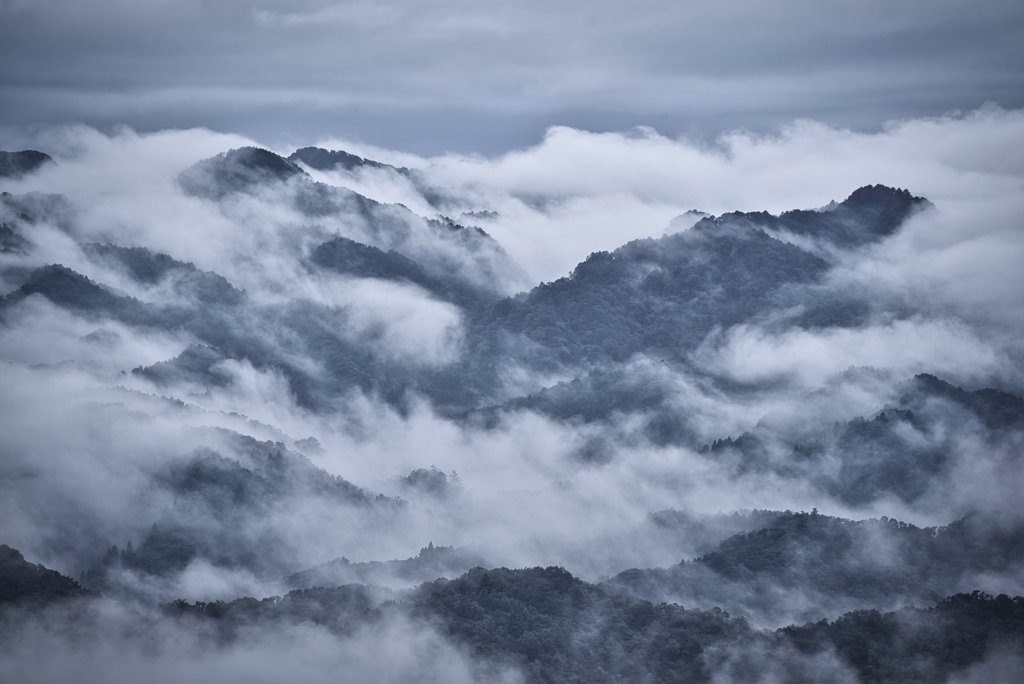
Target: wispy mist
{"x":248,"y":367}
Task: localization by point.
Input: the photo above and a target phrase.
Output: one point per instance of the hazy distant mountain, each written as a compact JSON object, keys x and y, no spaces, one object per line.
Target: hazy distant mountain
{"x":903,"y":450}
{"x":69,"y":289}
{"x":11,"y":241}
{"x":799,"y":562}
{"x":445,"y":250}
{"x":242,"y":170}
{"x":18,"y":164}
{"x":339,"y":160}
{"x":330,"y":160}
{"x":431,"y":563}
{"x":150,"y":269}
{"x":221,"y":511}
{"x":351,"y":258}
{"x":19,"y":214}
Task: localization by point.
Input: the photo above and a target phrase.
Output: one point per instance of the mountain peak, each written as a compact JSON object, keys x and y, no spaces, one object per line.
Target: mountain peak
{"x":886,"y":207}
{"x":237,"y":170}
{"x":19,"y":164}
{"x":870,"y":213}
{"x":332,"y":160}
{"x":879,"y":194}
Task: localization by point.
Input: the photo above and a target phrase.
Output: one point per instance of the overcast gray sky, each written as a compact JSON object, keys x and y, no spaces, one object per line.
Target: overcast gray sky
{"x":471,"y":75}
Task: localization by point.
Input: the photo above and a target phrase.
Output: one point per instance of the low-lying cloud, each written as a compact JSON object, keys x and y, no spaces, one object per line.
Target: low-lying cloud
{"x":84,"y":438}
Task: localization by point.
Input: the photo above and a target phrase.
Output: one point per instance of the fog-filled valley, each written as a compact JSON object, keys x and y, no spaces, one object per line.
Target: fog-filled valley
{"x":612,"y":407}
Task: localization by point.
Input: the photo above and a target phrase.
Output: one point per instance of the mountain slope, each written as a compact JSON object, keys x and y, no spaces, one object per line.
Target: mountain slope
{"x":801,"y":562}
{"x":665,"y":296}
{"x":549,"y":626}
{"x":18,"y":164}
{"x":661,"y":298}
{"x":447,"y":251}
{"x":330,"y":160}
{"x":905,"y":449}
{"x":869,"y":214}
{"x":22,"y":582}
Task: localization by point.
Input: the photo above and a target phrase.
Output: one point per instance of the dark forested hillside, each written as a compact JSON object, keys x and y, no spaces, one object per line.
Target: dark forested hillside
{"x":553,"y":627}
{"x":330,"y":160}
{"x":429,"y":564}
{"x":339,"y":160}
{"x":18,"y":164}
{"x":659,"y":297}
{"x":914,"y":645}
{"x":150,"y":269}
{"x":351,"y":258}
{"x":904,"y":449}
{"x":664,"y":297}
{"x":869,"y":214}
{"x":248,"y":169}
{"x":24,"y":583}
{"x":767,"y":573}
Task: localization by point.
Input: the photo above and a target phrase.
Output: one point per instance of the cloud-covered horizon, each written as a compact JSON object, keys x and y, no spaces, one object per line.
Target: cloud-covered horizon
{"x":486,"y":77}
{"x":575,"y":191}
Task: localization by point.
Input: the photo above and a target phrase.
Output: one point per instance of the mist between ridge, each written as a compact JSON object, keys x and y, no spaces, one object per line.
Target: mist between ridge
{"x":289,"y":413}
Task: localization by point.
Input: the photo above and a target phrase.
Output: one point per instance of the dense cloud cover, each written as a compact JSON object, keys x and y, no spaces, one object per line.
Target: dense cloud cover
{"x":471,"y":76}
{"x":232,"y":371}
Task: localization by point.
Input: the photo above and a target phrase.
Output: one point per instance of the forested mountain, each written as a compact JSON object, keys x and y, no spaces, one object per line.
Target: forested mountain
{"x":653,"y":297}
{"x":552,"y":627}
{"x":869,"y":214}
{"x":351,"y":258}
{"x":23,"y":583}
{"x":155,"y":269}
{"x":664,"y":296}
{"x":902,"y":450}
{"x":330,"y":160}
{"x":223,"y":512}
{"x":341,"y":161}
{"x":21,"y":212}
{"x":659,"y":296}
{"x":841,"y":563}
{"x":444,"y":249}
{"x":18,"y":164}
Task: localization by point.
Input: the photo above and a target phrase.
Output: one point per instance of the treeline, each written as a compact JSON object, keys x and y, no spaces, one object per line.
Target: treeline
{"x":24,"y":583}
{"x":801,"y":562}
{"x":554,"y":627}
{"x":903,"y":450}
